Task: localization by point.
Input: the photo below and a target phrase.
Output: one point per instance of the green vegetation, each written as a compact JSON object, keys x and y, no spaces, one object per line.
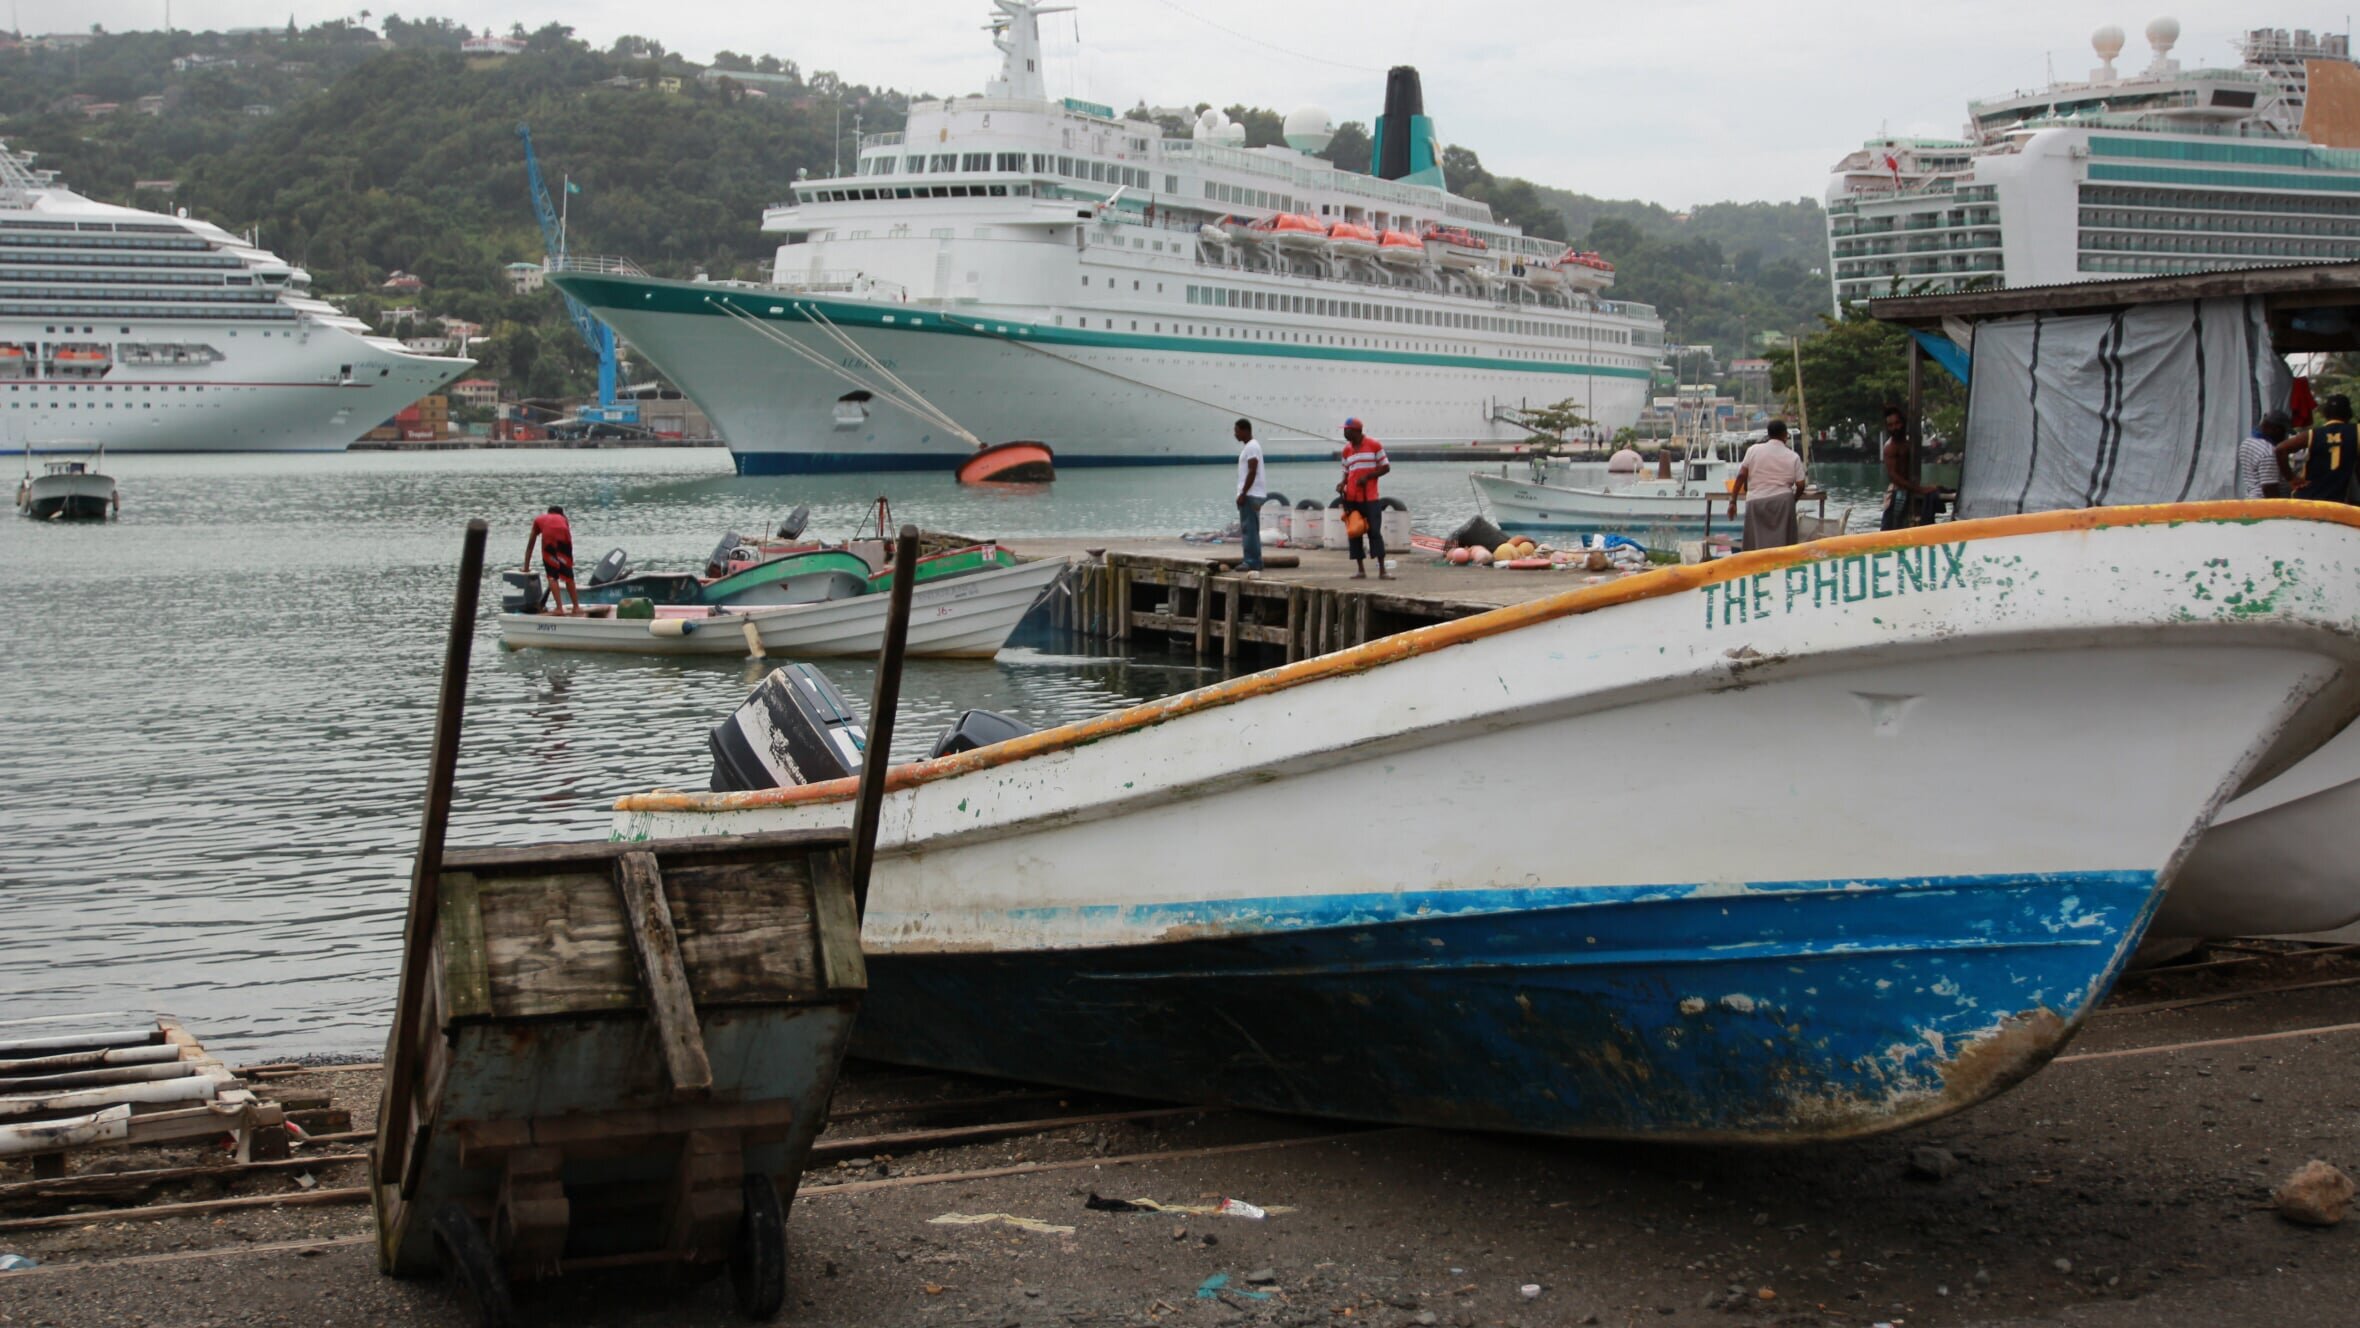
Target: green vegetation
{"x":355,"y":155}
{"x":1852,"y":368}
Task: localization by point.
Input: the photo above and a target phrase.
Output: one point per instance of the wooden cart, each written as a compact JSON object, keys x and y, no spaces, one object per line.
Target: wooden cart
{"x":621,"y":1057}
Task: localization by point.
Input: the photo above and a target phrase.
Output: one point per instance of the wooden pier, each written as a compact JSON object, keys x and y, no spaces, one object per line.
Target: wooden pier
{"x":1193,"y":598}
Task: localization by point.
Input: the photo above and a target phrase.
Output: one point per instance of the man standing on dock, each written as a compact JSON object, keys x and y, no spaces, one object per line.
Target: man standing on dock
{"x":2331,"y":467}
{"x":1904,"y":496}
{"x":1365,"y":463}
{"x":1253,"y":485}
{"x":2258,"y":473}
{"x":556,"y":539}
{"x":1769,"y":479}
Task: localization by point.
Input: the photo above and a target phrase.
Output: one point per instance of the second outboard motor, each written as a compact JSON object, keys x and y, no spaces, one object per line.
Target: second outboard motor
{"x":795,"y":522}
{"x":613,"y":567}
{"x":524,"y":594}
{"x":796,"y":728}
{"x":978,"y":728}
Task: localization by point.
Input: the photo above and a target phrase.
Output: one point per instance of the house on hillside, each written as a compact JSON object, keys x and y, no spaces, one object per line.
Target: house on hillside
{"x":525,"y":278}
{"x":98,"y":109}
{"x":399,"y":314}
{"x":668,"y":83}
{"x":490,"y":45}
{"x":403,"y":282}
{"x":475,"y":392}
{"x":750,"y":78}
{"x":64,"y":41}
{"x":166,"y":187}
{"x":459,"y":329}
{"x":428,"y":345}
{"x":623,"y":81}
{"x":152,"y":104}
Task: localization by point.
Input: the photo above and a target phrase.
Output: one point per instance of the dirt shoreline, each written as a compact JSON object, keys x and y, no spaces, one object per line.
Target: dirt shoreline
{"x":2106,"y":1191}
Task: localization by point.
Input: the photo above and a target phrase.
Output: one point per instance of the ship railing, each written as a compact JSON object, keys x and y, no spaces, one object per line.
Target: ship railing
{"x":868,"y":141}
{"x":605,"y":264}
{"x":845,"y":281}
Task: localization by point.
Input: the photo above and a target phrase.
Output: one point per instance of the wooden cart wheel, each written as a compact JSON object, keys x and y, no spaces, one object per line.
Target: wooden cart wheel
{"x":469,"y":1256}
{"x":758,"y":1265}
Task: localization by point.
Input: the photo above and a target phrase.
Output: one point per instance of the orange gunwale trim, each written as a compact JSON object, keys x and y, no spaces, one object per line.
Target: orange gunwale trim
{"x":1426,"y":640}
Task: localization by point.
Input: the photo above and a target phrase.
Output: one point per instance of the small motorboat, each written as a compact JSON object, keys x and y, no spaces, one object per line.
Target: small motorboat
{"x":1353,"y":239}
{"x":960,"y":615}
{"x":1400,"y":249}
{"x":1456,"y":248}
{"x":1693,"y":496}
{"x":68,"y":490}
{"x":1292,"y":231}
{"x":1544,"y":277}
{"x":1021,"y":462}
{"x":1474,"y":961}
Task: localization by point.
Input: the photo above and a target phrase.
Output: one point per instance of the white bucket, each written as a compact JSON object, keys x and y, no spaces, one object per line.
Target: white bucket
{"x":1308,"y":527}
{"x":1394,"y":526}
{"x":1275,"y":525}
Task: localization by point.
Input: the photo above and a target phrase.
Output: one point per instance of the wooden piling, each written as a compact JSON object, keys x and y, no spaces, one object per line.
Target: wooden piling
{"x":1229,"y":617}
{"x":1204,"y":608}
{"x":1122,"y":604}
{"x":1294,"y":646}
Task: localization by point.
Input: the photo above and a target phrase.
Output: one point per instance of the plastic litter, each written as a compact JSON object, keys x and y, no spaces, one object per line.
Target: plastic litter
{"x":1240,"y":1208}
{"x":1530,"y":1291}
{"x":1216,"y":1286}
{"x":1010,"y":1219}
{"x":1226,"y":1208}
{"x":10,"y":1263}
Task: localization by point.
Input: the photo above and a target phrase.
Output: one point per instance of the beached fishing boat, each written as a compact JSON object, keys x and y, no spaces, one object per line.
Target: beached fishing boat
{"x":965,"y":616}
{"x":1407,"y":932}
{"x":2275,"y":861}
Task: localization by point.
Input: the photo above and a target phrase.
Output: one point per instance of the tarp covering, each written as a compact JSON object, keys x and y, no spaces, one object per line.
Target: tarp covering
{"x":2145,"y":404}
{"x":1945,"y":352}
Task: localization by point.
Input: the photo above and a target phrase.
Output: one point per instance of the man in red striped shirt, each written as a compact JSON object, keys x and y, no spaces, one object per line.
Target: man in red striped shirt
{"x":1364,"y":463}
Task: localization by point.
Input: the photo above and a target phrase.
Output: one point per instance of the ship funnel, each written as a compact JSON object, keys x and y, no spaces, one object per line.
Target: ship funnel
{"x":1405,"y":146}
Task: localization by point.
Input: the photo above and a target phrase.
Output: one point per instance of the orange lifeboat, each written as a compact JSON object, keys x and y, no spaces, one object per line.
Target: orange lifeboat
{"x":1291,"y":230}
{"x":1586,"y":271}
{"x":1401,"y":249}
{"x":1351,"y":237}
{"x":1022,"y":462}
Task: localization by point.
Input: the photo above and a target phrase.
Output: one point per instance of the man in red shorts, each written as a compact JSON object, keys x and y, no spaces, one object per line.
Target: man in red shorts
{"x":556,"y":539}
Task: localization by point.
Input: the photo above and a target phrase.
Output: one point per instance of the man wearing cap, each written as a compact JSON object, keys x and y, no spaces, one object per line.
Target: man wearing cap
{"x":1364,"y":463}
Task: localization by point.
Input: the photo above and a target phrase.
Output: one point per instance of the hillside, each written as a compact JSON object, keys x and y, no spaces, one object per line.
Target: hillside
{"x":355,"y":154}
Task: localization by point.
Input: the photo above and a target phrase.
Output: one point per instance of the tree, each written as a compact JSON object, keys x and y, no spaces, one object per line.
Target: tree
{"x":1557,"y":420}
{"x":1853,"y":368}
{"x":1351,"y":148}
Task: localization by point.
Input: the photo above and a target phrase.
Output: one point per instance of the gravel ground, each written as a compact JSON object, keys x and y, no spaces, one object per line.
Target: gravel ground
{"x":2112,"y":1191}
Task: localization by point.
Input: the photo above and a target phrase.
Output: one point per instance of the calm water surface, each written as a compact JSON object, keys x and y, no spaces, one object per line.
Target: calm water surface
{"x":215,"y":712}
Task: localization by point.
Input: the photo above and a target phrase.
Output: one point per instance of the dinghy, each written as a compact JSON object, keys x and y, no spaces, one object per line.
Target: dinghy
{"x":962,"y":616}
{"x":1411,"y":936}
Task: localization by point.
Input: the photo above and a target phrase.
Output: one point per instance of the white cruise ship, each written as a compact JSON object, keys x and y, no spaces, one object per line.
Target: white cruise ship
{"x":142,"y":332}
{"x":2146,"y":174}
{"x":1013,"y":267}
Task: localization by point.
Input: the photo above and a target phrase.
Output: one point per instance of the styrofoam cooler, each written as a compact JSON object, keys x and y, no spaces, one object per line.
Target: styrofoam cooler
{"x":1394,"y":527}
{"x":1307,"y":528}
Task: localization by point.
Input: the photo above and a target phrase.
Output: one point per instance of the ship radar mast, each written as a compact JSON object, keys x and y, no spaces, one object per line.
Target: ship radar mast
{"x":1016,"y":31}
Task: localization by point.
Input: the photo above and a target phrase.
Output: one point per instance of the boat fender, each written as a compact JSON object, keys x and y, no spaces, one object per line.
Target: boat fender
{"x":671,"y":626}
{"x":1308,"y":505}
{"x":1526,"y":564}
{"x":1392,"y":504}
{"x":1275,"y":499}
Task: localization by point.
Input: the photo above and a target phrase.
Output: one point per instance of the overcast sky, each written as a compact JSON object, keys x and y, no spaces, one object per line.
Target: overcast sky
{"x":1675,"y":101}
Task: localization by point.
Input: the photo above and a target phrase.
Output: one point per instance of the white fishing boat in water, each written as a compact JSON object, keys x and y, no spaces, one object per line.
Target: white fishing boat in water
{"x":1693,"y":496}
{"x":968,"y":616}
{"x":1413,"y":938}
{"x":68,"y":490}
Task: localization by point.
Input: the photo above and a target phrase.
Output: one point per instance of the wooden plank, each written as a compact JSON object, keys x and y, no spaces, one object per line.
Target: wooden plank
{"x":745,"y":929}
{"x":1229,"y":617}
{"x":1204,"y":608}
{"x":670,"y":1005}
{"x":484,"y":1143}
{"x":708,"y":1192}
{"x":46,"y":1044}
{"x":208,"y":1254}
{"x":104,"y":1126}
{"x":79,"y":1060}
{"x":156,"y":1212}
{"x":595,"y":855}
{"x":104,"y":1183}
{"x":1079,"y":1163}
{"x":556,"y":944}
{"x":530,"y":1215}
{"x":1294,"y":638}
{"x":843,"y":965}
{"x":466,"y":983}
{"x":109,"y":1074}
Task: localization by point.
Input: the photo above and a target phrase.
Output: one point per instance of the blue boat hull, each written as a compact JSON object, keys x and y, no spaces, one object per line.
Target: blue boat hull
{"x":1771,"y":1012}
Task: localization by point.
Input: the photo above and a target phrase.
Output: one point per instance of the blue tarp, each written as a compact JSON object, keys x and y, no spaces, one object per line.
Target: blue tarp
{"x":1945,"y":352}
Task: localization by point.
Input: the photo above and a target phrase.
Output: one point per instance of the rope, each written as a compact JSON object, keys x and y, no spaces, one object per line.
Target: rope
{"x":926,"y":414}
{"x":1224,"y":407}
{"x":878,"y":367}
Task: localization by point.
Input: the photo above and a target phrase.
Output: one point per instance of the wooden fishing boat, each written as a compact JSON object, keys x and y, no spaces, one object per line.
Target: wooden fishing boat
{"x":962,"y":616}
{"x":2274,"y":862}
{"x":1694,"y":496}
{"x":68,"y":491}
{"x":1446,"y":950}
{"x":1010,"y":463}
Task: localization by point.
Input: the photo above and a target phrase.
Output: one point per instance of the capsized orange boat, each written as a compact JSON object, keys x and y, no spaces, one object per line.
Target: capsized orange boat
{"x":1021,"y":462}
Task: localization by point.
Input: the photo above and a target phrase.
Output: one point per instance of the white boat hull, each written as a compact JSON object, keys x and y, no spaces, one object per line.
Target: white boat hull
{"x":2279,"y":859}
{"x":968,"y":616}
{"x":1449,"y":948}
{"x":1524,"y":505}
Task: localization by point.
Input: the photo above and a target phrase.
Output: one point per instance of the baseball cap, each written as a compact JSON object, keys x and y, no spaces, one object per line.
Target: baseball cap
{"x":1353,"y":423}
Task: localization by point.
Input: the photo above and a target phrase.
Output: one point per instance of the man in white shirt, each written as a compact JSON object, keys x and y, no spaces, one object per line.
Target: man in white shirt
{"x":1769,"y":479}
{"x":1253,"y":485}
{"x":2258,"y":472}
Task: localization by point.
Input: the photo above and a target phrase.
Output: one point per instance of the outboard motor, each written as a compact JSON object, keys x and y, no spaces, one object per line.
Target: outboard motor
{"x":524,"y":594}
{"x":613,"y":567}
{"x":796,"y":728}
{"x":719,"y":562}
{"x":795,"y":522}
{"x":978,"y":728}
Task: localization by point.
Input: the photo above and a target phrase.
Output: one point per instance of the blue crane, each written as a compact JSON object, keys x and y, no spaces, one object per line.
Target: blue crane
{"x":599,"y":335}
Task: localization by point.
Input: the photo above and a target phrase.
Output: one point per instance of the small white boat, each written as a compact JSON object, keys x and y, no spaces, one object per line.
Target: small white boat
{"x":1585,"y":271}
{"x":67,"y":491}
{"x":2277,"y":860}
{"x":966,"y":616}
{"x":1353,"y":239}
{"x":1696,"y":495}
{"x":1468,"y":956}
{"x":1400,"y":249}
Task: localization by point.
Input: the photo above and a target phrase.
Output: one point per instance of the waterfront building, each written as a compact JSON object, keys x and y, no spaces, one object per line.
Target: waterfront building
{"x":2163,"y":171}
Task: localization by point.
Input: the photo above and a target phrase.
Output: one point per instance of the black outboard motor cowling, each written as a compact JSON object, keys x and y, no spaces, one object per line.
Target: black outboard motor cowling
{"x":613,"y":567}
{"x":524,"y":594}
{"x":978,"y":728}
{"x":796,"y":728}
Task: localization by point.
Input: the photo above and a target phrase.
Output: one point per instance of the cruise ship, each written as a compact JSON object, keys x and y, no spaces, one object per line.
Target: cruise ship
{"x":142,"y":332}
{"x":1010,"y":266}
{"x":2144,"y":174}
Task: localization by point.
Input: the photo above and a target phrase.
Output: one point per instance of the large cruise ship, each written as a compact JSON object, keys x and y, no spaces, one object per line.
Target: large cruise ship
{"x":141,"y":332}
{"x":1011,"y":266}
{"x":2162,"y":171}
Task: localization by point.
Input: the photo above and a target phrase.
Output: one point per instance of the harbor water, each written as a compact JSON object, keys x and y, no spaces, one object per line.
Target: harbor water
{"x":218,"y":708}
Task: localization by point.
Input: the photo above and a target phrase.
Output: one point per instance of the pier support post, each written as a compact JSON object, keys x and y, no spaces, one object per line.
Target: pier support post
{"x":1294,"y":623}
{"x":1204,"y":608}
{"x":1229,"y":617}
{"x":1122,"y":605}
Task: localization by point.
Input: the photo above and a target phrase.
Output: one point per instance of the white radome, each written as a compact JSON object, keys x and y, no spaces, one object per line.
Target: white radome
{"x":2163,"y":33}
{"x":1309,"y":130}
{"x":2107,"y":42}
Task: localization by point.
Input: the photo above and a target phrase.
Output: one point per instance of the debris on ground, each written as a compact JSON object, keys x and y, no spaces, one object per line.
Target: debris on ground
{"x":1011,"y":1219}
{"x":1930,"y":1163}
{"x":2316,"y":1195}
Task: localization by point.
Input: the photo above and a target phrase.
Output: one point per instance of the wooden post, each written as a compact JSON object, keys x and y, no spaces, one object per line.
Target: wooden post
{"x":877,"y":757}
{"x":1294,"y":623}
{"x":1365,"y":611}
{"x":1204,"y":608}
{"x":1122,"y":605}
{"x":1917,"y":405}
{"x":1229,"y":617}
{"x":401,"y":1050}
